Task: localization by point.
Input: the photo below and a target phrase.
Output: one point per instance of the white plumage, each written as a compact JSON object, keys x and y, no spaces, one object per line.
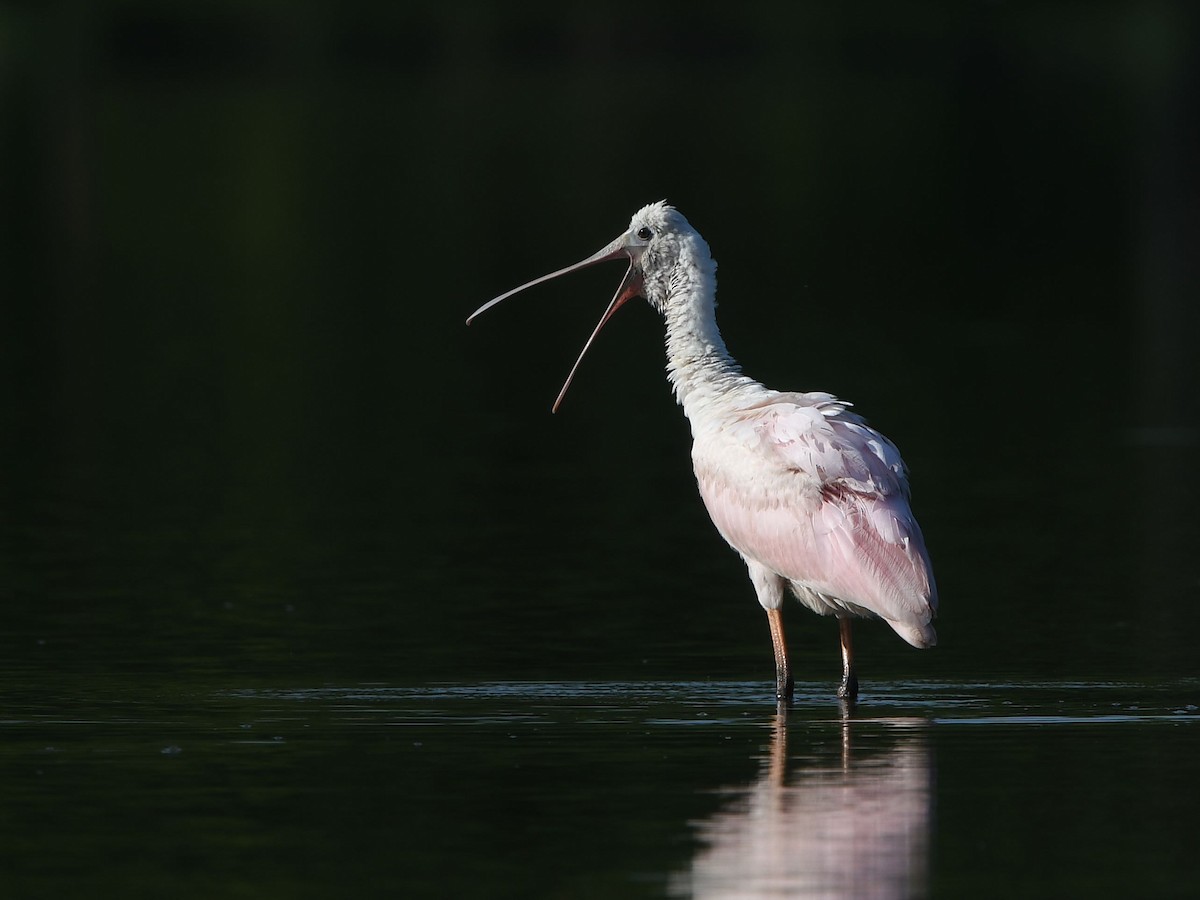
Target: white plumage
{"x":814,"y":499}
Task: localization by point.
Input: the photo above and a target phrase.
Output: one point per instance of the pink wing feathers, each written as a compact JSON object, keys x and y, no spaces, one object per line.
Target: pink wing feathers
{"x":806,"y":488}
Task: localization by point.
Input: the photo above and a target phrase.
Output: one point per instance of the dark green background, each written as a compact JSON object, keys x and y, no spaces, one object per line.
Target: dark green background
{"x":246,"y":441}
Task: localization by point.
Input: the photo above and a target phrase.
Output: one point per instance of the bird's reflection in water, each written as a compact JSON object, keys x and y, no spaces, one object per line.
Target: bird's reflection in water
{"x":854,"y":824}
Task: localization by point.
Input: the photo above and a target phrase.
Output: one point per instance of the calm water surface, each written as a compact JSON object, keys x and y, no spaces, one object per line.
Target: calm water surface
{"x":551,"y":789}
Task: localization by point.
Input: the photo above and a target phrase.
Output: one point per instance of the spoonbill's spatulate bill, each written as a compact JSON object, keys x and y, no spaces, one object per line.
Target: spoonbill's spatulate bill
{"x":812,"y":498}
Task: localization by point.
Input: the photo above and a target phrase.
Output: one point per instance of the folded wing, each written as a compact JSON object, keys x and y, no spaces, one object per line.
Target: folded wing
{"x":805,"y":487}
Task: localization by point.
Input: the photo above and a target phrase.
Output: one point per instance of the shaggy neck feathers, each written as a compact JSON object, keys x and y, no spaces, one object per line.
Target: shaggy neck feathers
{"x":699,"y":366}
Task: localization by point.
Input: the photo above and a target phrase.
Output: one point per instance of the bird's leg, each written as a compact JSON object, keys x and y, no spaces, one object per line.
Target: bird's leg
{"x":849,"y":687}
{"x":769,"y":587}
{"x":783,"y":672}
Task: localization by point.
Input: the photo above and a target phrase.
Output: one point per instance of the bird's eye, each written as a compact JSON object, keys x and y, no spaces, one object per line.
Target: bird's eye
{"x":645,"y":233}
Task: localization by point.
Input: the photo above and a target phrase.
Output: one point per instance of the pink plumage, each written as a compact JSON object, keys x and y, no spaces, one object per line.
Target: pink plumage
{"x":806,"y":491}
{"x":814,"y":499}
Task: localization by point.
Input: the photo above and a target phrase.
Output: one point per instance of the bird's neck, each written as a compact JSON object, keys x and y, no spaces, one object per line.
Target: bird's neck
{"x":699,"y":366}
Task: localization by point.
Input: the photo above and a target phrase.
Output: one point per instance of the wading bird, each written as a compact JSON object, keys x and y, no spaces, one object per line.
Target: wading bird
{"x":812,"y":498}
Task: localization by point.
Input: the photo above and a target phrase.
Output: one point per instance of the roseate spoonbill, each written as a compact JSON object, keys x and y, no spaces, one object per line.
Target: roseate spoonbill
{"x":812,"y":498}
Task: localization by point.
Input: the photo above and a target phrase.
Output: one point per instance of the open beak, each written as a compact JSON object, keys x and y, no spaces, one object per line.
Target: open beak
{"x":631,"y":286}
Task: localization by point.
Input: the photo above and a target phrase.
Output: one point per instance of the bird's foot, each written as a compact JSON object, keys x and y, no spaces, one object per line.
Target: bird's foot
{"x":783,"y":688}
{"x":848,"y":690}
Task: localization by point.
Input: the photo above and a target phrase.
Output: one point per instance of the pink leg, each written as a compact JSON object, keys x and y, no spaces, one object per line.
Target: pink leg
{"x":849,"y":688}
{"x":783,"y":672}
